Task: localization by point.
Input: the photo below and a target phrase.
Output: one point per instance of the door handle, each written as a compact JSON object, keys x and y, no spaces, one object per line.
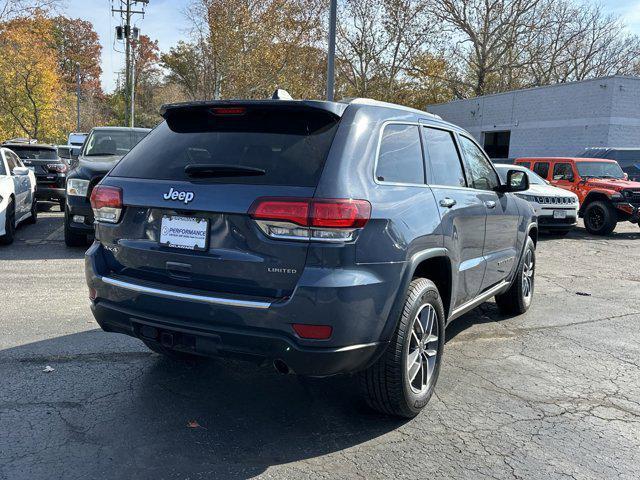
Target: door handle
{"x":447,"y":202}
{"x":490,"y":204}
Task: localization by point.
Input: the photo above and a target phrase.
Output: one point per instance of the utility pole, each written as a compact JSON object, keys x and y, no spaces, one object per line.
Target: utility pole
{"x":132,"y":116}
{"x":331,"y":54}
{"x":127,"y":33}
{"x":78,"y":95}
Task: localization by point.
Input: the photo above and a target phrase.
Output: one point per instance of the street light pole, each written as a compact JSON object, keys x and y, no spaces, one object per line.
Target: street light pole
{"x":78,"y":95}
{"x":132,"y":116}
{"x":331,"y":54}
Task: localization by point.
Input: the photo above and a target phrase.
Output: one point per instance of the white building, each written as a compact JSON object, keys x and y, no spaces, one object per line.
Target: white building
{"x":556,"y":120}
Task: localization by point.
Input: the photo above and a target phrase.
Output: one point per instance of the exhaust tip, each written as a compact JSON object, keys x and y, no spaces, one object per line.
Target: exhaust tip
{"x":281,"y":367}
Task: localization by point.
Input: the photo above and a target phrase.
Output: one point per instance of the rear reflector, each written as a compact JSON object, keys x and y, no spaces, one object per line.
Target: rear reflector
{"x":313,"y":332}
{"x":106,"y":203}
{"x":309,"y":212}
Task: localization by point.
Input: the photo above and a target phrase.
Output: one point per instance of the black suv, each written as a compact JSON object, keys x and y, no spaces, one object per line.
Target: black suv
{"x":50,"y":170}
{"x":322,"y":237}
{"x":102,"y":149}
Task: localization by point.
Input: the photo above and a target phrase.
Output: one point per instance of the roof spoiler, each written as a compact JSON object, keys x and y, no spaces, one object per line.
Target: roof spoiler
{"x":336,"y":109}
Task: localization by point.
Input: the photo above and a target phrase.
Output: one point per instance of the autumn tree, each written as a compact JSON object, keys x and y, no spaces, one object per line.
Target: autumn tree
{"x":78,"y":50}
{"x":33,"y":99}
{"x":147,"y":80}
{"x":20,"y":8}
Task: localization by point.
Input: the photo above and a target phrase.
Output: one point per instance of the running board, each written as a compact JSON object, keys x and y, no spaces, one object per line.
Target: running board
{"x":483,"y":297}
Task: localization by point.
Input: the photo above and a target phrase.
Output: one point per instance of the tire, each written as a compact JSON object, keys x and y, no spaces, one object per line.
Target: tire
{"x":386,"y":385}
{"x":175,"y":355}
{"x":72,"y":239}
{"x":600,"y":218}
{"x":33,"y":218}
{"x":9,"y":224}
{"x":517,"y":299}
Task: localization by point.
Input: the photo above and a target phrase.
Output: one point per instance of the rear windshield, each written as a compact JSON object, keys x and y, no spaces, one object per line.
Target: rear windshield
{"x":289,"y":145}
{"x":34,"y":153}
{"x":111,"y":142}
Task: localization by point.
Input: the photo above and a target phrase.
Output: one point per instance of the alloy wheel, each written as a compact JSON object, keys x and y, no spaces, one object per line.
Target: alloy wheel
{"x":527,"y":274}
{"x":422,"y":353}
{"x":596,"y":218}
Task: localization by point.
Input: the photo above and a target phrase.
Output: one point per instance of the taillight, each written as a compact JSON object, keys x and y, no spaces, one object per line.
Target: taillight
{"x":106,"y":203}
{"x":57,"y":167}
{"x":309,"y":218}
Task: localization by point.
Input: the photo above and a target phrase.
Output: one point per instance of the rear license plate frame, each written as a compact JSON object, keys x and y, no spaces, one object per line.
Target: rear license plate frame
{"x":185,"y":219}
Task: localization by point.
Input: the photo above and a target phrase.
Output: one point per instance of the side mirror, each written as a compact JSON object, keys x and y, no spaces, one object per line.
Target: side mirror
{"x":20,"y":171}
{"x":75,"y":152}
{"x":517,"y":181}
{"x":625,"y":176}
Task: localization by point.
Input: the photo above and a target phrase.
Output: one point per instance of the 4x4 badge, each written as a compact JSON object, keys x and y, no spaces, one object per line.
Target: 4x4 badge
{"x":172,"y":194}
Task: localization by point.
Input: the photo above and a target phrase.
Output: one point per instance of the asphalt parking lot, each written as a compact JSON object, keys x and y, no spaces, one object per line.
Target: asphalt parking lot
{"x":552,"y":394}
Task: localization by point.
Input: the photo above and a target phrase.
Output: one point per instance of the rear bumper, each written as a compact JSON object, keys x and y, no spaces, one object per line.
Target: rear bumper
{"x":182,"y":335}
{"x":356,"y":304}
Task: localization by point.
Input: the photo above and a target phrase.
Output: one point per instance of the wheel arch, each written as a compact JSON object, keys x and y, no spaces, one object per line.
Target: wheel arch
{"x":593,"y":196}
{"x":433,"y":264}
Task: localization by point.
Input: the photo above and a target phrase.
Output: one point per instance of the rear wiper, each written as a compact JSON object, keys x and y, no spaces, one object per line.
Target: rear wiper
{"x":212,"y":170}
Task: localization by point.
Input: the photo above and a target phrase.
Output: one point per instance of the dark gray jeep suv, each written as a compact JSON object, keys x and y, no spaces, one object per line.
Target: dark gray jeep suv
{"x":322,"y":237}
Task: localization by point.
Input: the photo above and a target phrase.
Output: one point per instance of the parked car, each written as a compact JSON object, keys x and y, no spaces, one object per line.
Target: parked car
{"x":77,"y":139}
{"x":50,"y":170}
{"x":103,"y":148}
{"x":315,"y":235}
{"x":68,"y":153}
{"x":17,"y":195}
{"x":627,"y":158}
{"x":606,"y":196}
{"x":556,"y":209}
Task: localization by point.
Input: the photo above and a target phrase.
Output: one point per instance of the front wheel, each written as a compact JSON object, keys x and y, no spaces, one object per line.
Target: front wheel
{"x":403,"y":379}
{"x":517,"y":299}
{"x":34,"y":212}
{"x":600,"y":218}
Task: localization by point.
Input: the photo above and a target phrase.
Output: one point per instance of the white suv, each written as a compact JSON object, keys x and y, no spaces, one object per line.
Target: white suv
{"x":556,"y":208}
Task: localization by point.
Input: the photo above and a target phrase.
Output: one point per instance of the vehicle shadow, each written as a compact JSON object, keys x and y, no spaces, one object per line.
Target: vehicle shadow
{"x":580,"y":233}
{"x":43,"y":240}
{"x":111,"y":406}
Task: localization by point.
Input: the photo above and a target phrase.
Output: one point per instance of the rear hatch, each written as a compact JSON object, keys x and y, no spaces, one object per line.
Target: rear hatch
{"x":44,"y":162}
{"x":201,"y":171}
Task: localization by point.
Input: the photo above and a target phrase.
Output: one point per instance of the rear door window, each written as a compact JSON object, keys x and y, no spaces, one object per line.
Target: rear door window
{"x":482,"y":174}
{"x":444,"y":160}
{"x":289,"y":146}
{"x":542,"y":169}
{"x":400,"y":155}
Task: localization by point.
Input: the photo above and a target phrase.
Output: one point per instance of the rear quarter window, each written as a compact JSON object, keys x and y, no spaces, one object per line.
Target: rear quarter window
{"x":290,"y":145}
{"x":400,"y":155}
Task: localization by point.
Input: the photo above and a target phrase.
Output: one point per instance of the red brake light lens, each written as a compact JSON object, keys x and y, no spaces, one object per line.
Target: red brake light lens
{"x":313,"y":332}
{"x":229,"y":111}
{"x":294,"y":210}
{"x":110,"y":197}
{"x":340,"y":213}
{"x":309,"y":212}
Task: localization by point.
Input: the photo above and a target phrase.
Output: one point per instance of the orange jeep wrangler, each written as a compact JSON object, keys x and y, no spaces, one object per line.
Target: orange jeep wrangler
{"x":606,"y":195}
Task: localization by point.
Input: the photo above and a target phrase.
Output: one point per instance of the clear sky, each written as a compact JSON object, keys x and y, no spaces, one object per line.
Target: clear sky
{"x":166,"y":23}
